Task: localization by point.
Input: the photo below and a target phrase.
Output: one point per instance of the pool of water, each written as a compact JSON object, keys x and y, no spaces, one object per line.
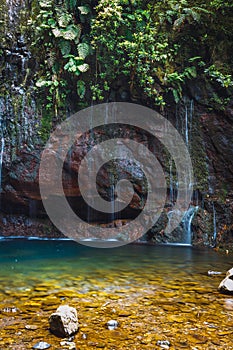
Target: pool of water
{"x":156,"y":293}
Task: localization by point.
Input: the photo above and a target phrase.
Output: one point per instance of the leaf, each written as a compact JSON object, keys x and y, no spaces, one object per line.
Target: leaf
{"x":41,"y":82}
{"x":71,"y":32}
{"x":83,"y":67}
{"x":63,"y":18}
{"x":45,"y":3}
{"x":176,"y":95}
{"x":52,"y":22}
{"x":71,"y":4}
{"x":179,"y":21}
{"x":192,"y":59}
{"x":191,"y":72}
{"x":84,"y":10}
{"x":81,"y":88}
{"x":83,"y":50}
{"x":56,"y":32}
{"x":65,"y":47}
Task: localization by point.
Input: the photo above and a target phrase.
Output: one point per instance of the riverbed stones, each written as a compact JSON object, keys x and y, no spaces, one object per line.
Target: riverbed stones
{"x":112,"y":324}
{"x":42,"y":345}
{"x":64,"y":322}
{"x":164,"y":344}
{"x":68,"y":345}
{"x":226,"y":285}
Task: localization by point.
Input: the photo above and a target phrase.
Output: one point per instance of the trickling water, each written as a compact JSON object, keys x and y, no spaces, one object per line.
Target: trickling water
{"x":184,"y":119}
{"x":187,"y":222}
{"x":112,"y":199}
{"x":1,"y":151}
{"x":171,"y":183}
{"x":91,"y":167}
{"x":11,"y":12}
{"x":214,"y":225}
{"x":189,"y":107}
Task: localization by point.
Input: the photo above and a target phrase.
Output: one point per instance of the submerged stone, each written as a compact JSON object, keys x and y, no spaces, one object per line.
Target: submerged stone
{"x":31,"y":327}
{"x":64,"y":322}
{"x":41,"y":345}
{"x":164,"y":344}
{"x":68,"y":345}
{"x":112,"y":324}
{"x":213,"y":273}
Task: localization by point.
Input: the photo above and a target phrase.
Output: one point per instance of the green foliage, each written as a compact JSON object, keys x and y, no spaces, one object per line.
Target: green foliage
{"x":161,"y":45}
{"x":61,"y":42}
{"x":225,"y":80}
{"x":81,"y":88}
{"x":157,"y":46}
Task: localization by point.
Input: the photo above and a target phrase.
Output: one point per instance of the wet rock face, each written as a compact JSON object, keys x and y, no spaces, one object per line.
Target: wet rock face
{"x":64,"y":322}
{"x":21,"y":195}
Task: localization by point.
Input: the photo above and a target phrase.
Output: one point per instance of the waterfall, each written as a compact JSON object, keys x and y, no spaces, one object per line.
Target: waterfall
{"x":187,"y":222}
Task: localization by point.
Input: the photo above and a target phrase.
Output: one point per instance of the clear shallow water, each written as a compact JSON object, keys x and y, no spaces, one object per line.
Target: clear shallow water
{"x":29,"y":261}
{"x":158,"y":288}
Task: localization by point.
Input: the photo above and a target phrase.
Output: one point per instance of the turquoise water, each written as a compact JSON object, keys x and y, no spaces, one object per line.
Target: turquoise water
{"x":34,"y":261}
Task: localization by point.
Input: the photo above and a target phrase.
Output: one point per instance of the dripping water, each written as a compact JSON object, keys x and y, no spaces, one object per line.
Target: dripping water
{"x":1,"y":151}
{"x":171,"y":183}
{"x":214,"y":226}
{"x":189,"y":108}
{"x":90,"y":166}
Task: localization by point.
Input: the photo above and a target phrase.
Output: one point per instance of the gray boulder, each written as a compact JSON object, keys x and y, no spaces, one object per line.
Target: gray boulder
{"x":64,"y":322}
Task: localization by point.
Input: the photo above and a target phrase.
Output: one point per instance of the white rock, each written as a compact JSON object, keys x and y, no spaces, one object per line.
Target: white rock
{"x":112,"y":324}
{"x":64,"y":322}
{"x":226,"y":286}
{"x":42,"y":345}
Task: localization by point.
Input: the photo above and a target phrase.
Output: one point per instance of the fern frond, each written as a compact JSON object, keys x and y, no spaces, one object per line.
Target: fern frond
{"x":83,"y":50}
{"x":65,"y":47}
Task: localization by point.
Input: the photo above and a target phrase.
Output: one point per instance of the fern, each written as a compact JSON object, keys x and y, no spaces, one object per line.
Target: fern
{"x":65,"y":47}
{"x":51,"y":59}
{"x":72,"y":32}
{"x":71,"y":4}
{"x":81,"y":88}
{"x":83,"y":67}
{"x":83,"y":50}
{"x":56,"y":32}
{"x":45,"y":3}
{"x":63,"y":18}
{"x":84,"y":10}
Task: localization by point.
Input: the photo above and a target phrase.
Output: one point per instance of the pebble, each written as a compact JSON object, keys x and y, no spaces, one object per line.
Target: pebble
{"x":68,"y":345}
{"x":112,"y":324}
{"x":164,"y":344}
{"x":229,"y":304}
{"x":10,"y":309}
{"x":41,"y":345}
{"x":31,"y":327}
{"x":212,"y":273}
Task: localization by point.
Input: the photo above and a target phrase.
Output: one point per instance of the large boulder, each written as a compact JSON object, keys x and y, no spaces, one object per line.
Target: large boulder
{"x":226,"y":286}
{"x":64,"y":322}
